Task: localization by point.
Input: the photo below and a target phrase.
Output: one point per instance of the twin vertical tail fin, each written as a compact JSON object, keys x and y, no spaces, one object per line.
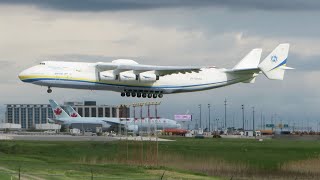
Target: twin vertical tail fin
{"x":274,"y":65}
{"x":57,"y":110}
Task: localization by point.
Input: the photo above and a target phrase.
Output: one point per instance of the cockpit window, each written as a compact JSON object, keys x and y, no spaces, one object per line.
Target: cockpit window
{"x":42,"y":63}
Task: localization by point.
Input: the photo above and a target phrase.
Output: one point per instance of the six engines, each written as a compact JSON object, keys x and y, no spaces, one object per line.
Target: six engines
{"x":128,"y":76}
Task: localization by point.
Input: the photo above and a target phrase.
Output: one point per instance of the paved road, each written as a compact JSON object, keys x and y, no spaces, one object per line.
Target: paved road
{"x":75,"y":138}
{"x":61,"y":138}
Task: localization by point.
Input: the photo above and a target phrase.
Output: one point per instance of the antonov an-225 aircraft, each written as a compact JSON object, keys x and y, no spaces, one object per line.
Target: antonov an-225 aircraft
{"x":137,"y":80}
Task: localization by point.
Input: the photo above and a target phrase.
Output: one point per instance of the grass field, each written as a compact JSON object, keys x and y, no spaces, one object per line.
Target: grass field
{"x":185,"y":158}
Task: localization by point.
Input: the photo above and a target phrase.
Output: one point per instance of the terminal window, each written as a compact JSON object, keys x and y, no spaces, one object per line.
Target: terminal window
{"x":80,"y":111}
{"x":107,"y":112}
{"x":86,"y":112}
{"x":100,"y":112}
{"x":114,"y":112}
{"x":16,"y":116}
{"x":93,"y":112}
{"x":9,"y":111}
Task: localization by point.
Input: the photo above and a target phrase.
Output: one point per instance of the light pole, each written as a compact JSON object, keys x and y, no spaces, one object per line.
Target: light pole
{"x":209,"y":116}
{"x":225,"y":113}
{"x":200,"y":116}
{"x":252,"y":118}
{"x":242,"y":107}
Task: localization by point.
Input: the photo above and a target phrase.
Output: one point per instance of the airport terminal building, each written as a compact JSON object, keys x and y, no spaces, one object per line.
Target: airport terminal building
{"x":28,"y":115}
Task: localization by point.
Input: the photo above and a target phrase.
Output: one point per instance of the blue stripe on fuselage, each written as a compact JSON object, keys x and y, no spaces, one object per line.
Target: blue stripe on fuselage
{"x":172,"y":87}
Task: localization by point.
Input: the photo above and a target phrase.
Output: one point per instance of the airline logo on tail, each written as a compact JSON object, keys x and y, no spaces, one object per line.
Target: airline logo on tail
{"x":57,"y":111}
{"x":74,"y":115}
{"x":274,"y":58}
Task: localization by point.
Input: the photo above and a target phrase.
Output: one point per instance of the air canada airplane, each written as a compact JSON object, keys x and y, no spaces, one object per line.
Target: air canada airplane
{"x":131,"y":124}
{"x":137,"y":80}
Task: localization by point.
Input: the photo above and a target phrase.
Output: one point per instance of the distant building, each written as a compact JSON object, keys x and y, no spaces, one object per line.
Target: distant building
{"x":28,"y":115}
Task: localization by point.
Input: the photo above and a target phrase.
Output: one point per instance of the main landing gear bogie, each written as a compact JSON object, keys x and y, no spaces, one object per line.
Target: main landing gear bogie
{"x":142,"y":94}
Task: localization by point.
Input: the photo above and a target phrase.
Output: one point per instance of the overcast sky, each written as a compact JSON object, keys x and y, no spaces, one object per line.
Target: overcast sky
{"x":168,"y":32}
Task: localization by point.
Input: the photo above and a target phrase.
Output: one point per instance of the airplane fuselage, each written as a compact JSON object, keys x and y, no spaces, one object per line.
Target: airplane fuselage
{"x":129,"y":123}
{"x":79,"y":75}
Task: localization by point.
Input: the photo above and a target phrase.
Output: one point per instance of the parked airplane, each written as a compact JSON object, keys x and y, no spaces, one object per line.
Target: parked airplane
{"x":106,"y":122}
{"x":137,"y":80}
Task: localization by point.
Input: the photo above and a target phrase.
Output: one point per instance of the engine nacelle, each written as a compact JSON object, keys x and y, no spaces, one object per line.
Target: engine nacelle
{"x":107,"y":76}
{"x":148,"y":77}
{"x":133,"y":128}
{"x":126,"y":76}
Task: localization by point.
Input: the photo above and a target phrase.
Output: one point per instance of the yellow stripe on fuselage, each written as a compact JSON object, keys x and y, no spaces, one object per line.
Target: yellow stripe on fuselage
{"x":31,"y":77}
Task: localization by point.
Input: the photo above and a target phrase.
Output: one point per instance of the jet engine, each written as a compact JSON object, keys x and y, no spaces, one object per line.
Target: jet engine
{"x":126,"y":76}
{"x":133,"y":128}
{"x":148,"y":77}
{"x":107,"y":76}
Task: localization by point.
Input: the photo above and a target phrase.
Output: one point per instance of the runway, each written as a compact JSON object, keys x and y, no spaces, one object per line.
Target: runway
{"x":75,"y":138}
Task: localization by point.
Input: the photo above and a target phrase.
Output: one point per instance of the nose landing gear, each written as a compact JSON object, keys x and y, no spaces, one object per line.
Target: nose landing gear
{"x":49,"y":90}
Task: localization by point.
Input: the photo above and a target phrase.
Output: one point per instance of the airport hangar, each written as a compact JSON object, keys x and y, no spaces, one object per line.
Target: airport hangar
{"x":30,"y":116}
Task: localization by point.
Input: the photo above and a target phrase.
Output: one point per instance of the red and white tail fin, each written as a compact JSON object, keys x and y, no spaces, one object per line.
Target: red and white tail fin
{"x":72,"y":113}
{"x":57,"y":110}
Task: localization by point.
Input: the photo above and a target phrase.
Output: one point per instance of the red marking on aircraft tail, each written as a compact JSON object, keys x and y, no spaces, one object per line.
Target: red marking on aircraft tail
{"x":57,"y":111}
{"x":74,"y":115}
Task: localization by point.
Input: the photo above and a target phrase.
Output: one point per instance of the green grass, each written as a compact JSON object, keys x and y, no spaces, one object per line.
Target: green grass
{"x":186,"y":157}
{"x":268,"y":154}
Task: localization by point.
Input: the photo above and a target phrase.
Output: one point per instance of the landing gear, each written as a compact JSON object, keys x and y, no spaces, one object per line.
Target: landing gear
{"x":139,"y":94}
{"x":49,"y":90}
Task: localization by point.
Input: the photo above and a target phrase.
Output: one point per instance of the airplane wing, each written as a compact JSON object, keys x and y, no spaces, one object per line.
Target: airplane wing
{"x":115,"y":121}
{"x":55,"y":121}
{"x":139,"y":68}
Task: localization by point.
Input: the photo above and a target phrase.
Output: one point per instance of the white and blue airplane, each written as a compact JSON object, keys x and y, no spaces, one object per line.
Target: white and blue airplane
{"x":137,"y":80}
{"x":131,"y":124}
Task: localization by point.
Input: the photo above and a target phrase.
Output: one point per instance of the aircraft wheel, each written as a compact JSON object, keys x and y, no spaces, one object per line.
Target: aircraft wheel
{"x":128,"y":94}
{"x":49,"y":90}
{"x":138,"y":95}
{"x":149,"y":95}
{"x":154,"y":95}
{"x":160,"y":95}
{"x":123,"y":94}
{"x":133,"y":94}
{"x":144,"y":95}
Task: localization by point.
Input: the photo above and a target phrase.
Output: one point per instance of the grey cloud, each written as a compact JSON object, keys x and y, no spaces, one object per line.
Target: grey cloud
{"x":304,"y":63}
{"x":118,"y":5}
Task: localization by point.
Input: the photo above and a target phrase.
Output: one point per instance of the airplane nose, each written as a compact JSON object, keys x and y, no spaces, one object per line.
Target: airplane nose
{"x":23,"y":75}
